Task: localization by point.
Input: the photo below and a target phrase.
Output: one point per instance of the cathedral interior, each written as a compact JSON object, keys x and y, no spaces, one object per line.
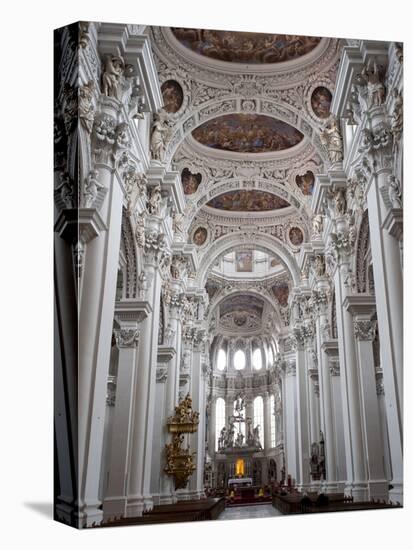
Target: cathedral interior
{"x":228,"y":274}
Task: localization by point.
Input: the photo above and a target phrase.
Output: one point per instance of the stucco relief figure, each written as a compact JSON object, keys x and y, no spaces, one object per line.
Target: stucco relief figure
{"x":397,"y":115}
{"x":331,"y":139}
{"x":86,"y":109}
{"x":91,"y":189}
{"x":395,"y":192}
{"x":340,"y":203}
{"x":112,"y":73}
{"x":155,"y":201}
{"x":376,"y":92}
{"x":317,"y":225}
{"x":158,"y":138}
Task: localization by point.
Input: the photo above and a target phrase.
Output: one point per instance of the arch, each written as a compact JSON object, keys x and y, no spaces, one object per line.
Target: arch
{"x":264,"y":242}
{"x":238,"y":183}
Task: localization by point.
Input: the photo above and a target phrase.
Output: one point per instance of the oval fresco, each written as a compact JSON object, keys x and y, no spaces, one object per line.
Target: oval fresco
{"x":245,"y":47}
{"x":306,"y":182}
{"x":247,"y":133}
{"x":200,"y":236}
{"x":247,"y":201}
{"x":190,"y":181}
{"x":321,"y":101}
{"x":173,"y":96}
{"x":296,"y":236}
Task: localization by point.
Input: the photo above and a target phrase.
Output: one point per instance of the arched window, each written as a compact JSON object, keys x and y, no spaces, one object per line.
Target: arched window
{"x":272,"y":420}
{"x":239,"y":360}
{"x":257,"y":359}
{"x":259,"y":417}
{"x":271,"y":354}
{"x":219,"y":419}
{"x":221,"y":359}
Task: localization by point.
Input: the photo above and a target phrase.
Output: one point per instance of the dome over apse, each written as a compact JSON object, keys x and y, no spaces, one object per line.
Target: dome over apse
{"x":247,"y":133}
{"x":247,"y":201}
{"x":245,"y":47}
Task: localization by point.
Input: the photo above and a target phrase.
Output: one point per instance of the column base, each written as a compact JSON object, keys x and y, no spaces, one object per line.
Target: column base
{"x":358,"y":490}
{"x":396,"y":494}
{"x":114,"y":508}
{"x":134,"y":507}
{"x":304,"y":487}
{"x":167,"y":499}
{"x":329,"y":487}
{"x":91,"y":515}
{"x":65,"y":512}
{"x":379,"y":489}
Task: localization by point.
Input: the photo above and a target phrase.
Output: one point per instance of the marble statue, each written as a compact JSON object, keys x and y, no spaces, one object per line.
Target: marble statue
{"x":155,"y":201}
{"x":331,"y":138}
{"x":158,"y":136}
{"x":112,"y":73}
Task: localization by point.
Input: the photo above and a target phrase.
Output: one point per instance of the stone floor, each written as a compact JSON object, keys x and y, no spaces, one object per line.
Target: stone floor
{"x":245,"y":512}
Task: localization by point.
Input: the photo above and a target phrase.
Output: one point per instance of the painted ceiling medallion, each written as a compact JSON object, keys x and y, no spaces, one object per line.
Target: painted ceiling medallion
{"x":296,"y":236}
{"x":190,"y":181}
{"x":200,"y":236}
{"x":245,"y":47}
{"x":306,"y":182}
{"x":247,"y":201}
{"x":173,"y":96}
{"x":321,"y":101}
{"x":247,"y":133}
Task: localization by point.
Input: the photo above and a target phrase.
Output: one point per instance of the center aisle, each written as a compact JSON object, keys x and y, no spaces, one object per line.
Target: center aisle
{"x":245,"y":512}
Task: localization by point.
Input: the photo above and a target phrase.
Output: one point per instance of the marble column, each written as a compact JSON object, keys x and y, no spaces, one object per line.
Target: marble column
{"x":303,"y":414}
{"x":96,"y":310}
{"x":290,"y":420}
{"x":175,"y":306}
{"x":350,"y":376}
{"x":198,"y":394}
{"x":139,"y":497}
{"x":362,"y":308}
{"x":338,"y":422}
{"x":321,"y":297}
{"x":388,"y":282}
{"x":128,"y":315}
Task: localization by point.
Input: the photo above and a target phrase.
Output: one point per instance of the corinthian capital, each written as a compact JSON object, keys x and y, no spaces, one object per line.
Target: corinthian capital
{"x":126,"y":338}
{"x":365,"y":330}
{"x":156,"y":248}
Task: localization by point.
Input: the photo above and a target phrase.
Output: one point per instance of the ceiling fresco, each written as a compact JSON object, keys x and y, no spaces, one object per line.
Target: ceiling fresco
{"x":281,"y":293}
{"x":245,"y":47}
{"x":247,"y":201}
{"x":247,"y":133}
{"x":242,"y":303}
